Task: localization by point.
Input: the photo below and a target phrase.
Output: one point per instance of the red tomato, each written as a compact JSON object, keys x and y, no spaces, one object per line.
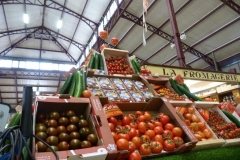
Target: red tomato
{"x":122,"y":144}
{"x":126,"y":120}
{"x":141,"y":118}
{"x":137,"y":141}
{"x":112,"y":120}
{"x":138,"y":113}
{"x":148,"y":116}
{"x":168,"y":145}
{"x":118,"y":128}
{"x":131,"y":116}
{"x":132,"y":147}
{"x":115,"y":136}
{"x":167,"y":134}
{"x":126,"y":128}
{"x":135,"y":156}
{"x":132,"y":133}
{"x":133,"y":125}
{"x":158,"y":130}
{"x":156,"y":147}
{"x":177,"y":132}
{"x":169,"y":126}
{"x":119,"y":122}
{"x":111,"y":127}
{"x":164,"y":119}
{"x":178,"y":141}
{"x":145,"y":149}
{"x":150,"y":133}
{"x":158,"y":138}
{"x":150,"y":125}
{"x":124,"y":136}
{"x":145,"y":139}
{"x":157,"y":123}
{"x":142,"y":127}
{"x":138,"y":133}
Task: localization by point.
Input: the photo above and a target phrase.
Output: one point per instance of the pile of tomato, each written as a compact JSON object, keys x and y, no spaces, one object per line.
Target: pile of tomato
{"x":141,"y":131}
{"x":63,"y":131}
{"x":118,"y":65}
{"x":221,"y":128}
{"x":167,"y":93}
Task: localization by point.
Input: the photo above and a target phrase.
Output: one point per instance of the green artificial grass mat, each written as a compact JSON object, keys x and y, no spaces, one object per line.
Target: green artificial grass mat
{"x":228,"y":153}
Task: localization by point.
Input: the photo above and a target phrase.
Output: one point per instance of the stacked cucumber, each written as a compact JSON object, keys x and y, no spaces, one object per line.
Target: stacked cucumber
{"x":96,"y":61}
{"x":183,"y":89}
{"x":136,"y":66}
{"x":75,"y":83}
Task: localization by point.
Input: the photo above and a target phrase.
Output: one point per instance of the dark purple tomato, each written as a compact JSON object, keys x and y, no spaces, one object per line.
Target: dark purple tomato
{"x":74,"y":135}
{"x":52,"y":123}
{"x":74,"y":120}
{"x":54,"y":115}
{"x":63,"y":146}
{"x":70,"y":113}
{"x":42,"y":135}
{"x":82,"y":116}
{"x":40,"y":117}
{"x":39,"y":124}
{"x":82,"y":123}
{"x":71,"y":128}
{"x":55,"y":148}
{"x":85,"y":144}
{"x":45,"y":122}
{"x":75,"y":144}
{"x":40,"y":129}
{"x":51,"y":131}
{"x":41,"y":147}
{"x":63,"y":121}
{"x":52,"y":140}
{"x":84,"y":132}
{"x":92,"y":138}
{"x":63,"y":114}
{"x":63,"y":137}
{"x":61,"y":129}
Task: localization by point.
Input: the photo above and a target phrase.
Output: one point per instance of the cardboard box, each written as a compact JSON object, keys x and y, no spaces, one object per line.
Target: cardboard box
{"x":213,"y":106}
{"x":105,"y":148}
{"x":155,"y":106}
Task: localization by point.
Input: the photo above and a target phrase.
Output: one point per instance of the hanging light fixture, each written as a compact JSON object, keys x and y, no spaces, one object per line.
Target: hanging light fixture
{"x":172,"y":45}
{"x":25,"y":18}
{"x":183,"y":36}
{"x":59,"y":24}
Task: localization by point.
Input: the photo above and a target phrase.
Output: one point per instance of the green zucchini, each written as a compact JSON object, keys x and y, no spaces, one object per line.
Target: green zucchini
{"x":96,"y":61}
{"x":173,"y":84}
{"x":186,"y":87}
{"x":78,"y":83}
{"x":134,"y":67}
{"x":24,"y":150}
{"x":188,"y":94}
{"x":232,"y":118}
{"x":67,"y":84}
{"x":72,"y":88}
{"x":90,"y":64}
{"x":84,"y":78}
{"x":101,"y":63}
{"x":137,"y":65}
{"x":15,"y":120}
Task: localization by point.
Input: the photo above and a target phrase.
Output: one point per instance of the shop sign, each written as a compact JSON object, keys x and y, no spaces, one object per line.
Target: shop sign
{"x":194,"y":74}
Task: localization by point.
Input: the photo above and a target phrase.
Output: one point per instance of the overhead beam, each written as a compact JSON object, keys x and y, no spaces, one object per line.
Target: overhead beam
{"x":168,"y":37}
{"x":37,"y":49}
{"x":64,"y":4}
{"x":232,"y":5}
{"x":16,"y":86}
{"x":5,"y":19}
{"x":56,"y":6}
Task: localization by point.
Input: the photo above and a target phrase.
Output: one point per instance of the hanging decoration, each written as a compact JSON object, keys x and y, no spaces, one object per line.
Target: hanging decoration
{"x":145,"y":7}
{"x":103,"y":46}
{"x":103,"y":34}
{"x":114,"y":41}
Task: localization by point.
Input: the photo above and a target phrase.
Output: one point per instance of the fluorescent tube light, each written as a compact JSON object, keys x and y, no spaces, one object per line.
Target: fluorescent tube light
{"x":25,"y":18}
{"x":59,"y":24}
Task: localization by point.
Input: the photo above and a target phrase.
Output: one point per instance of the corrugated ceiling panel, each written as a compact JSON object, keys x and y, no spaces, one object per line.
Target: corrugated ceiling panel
{"x":8,"y":95}
{"x":3,"y":26}
{"x":7,"y":81}
{"x":163,"y":56}
{"x":51,"y":18}
{"x":77,"y":7}
{"x":189,"y":57}
{"x":23,"y":53}
{"x":14,"y":20}
{"x":82,"y":33}
{"x":64,"y":43}
{"x":20,"y":95}
{"x":35,"y":15}
{"x":50,"y":45}
{"x":11,"y":101}
{"x":16,"y":37}
{"x":4,"y":43}
{"x":227,"y":51}
{"x":55,"y":56}
{"x":20,"y":89}
{"x":136,"y":7}
{"x":32,"y":43}
{"x":48,"y":82}
{"x":199,"y":64}
{"x":237,"y":2}
{"x":7,"y":88}
{"x":47,"y":89}
{"x":60,"y":1}
{"x":75,"y":52}
{"x":25,"y":81}
{"x":95,"y":9}
{"x":153,"y":44}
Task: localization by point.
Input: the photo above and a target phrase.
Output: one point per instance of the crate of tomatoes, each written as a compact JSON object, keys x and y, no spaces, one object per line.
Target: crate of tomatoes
{"x":72,"y":128}
{"x":116,"y":62}
{"x":154,"y":130}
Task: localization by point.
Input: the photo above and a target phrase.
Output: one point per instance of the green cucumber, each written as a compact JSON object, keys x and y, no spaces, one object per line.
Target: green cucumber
{"x":67,"y":84}
{"x":173,"y":84}
{"x":78,"y":85}
{"x":96,"y":61}
{"x":186,"y":87}
{"x":15,"y":120}
{"x":84,"y":79}
{"x":232,"y":118}
{"x":137,"y":65}
{"x":90,"y":64}
{"x":134,"y":67}
{"x":188,"y":94}
{"x":72,"y":88}
{"x":101,"y":63}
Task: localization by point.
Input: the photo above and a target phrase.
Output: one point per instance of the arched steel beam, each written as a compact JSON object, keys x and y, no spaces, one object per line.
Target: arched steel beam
{"x":54,"y":5}
{"x":232,"y":5}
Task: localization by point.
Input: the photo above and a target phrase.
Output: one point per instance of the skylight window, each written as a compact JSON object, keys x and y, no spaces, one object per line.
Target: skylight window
{"x":32,"y":65}
{"x":46,"y":66}
{"x":22,"y":64}
{"x":15,"y":64}
{"x":6,"y":63}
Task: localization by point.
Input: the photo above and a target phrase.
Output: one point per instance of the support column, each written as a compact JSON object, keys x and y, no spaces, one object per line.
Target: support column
{"x":177,"y":41}
{"x":214,"y":60}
